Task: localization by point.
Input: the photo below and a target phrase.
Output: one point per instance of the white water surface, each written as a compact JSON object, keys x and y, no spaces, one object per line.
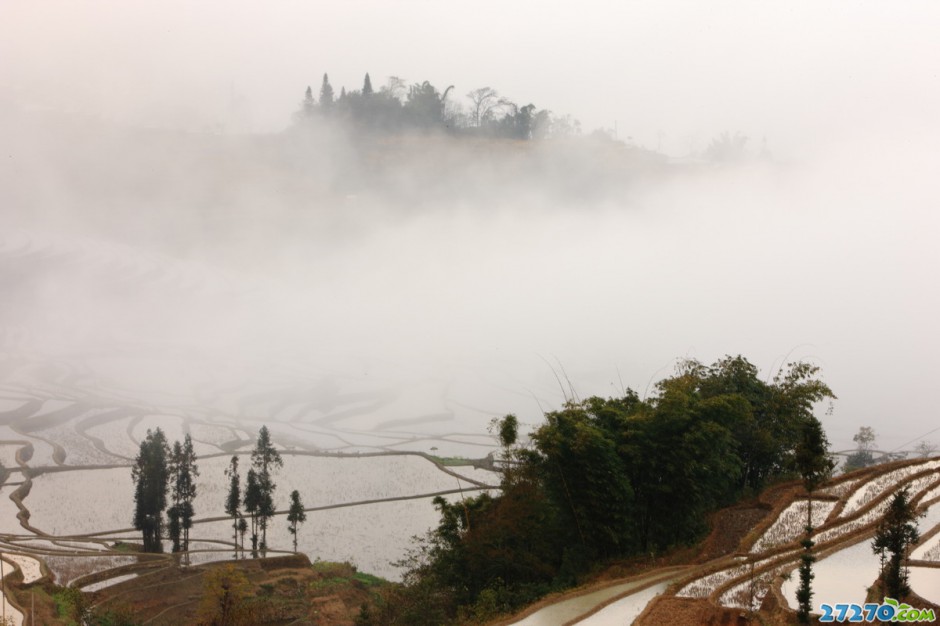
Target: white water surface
{"x":843,"y":576}
{"x":925,"y":582}
{"x":625,"y":610}
{"x":567,"y":610}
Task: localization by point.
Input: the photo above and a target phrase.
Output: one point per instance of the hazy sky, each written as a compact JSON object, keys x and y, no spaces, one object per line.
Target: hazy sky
{"x":832,"y":257}
{"x":669,"y":73}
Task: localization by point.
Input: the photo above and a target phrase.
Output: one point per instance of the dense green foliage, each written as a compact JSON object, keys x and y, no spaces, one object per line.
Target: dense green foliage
{"x":71,"y":606}
{"x":610,"y":478}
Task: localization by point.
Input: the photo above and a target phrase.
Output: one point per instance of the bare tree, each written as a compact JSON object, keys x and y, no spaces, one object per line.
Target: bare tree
{"x":395,"y":87}
{"x":925,"y":449}
{"x":486,"y":103}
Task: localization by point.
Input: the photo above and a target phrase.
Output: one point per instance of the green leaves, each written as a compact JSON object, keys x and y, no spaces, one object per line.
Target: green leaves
{"x":811,"y":458}
{"x":586,"y":479}
{"x":616,"y":476}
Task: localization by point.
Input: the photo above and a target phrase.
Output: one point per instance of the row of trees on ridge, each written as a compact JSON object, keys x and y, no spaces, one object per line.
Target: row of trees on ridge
{"x":397,"y":107}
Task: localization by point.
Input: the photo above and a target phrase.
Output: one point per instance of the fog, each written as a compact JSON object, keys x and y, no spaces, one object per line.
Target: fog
{"x":159,"y":205}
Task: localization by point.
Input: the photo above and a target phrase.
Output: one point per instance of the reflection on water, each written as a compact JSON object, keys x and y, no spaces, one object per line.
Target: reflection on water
{"x":841,"y":577}
{"x":925,"y":581}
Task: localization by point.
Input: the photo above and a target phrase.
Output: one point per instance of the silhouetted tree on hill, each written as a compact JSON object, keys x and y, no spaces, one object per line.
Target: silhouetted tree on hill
{"x":265,"y":459}
{"x":295,"y":515}
{"x":309,"y":106}
{"x":233,"y":500}
{"x":151,"y":476}
{"x":326,"y":94}
{"x":862,"y":457}
{"x":183,"y":472}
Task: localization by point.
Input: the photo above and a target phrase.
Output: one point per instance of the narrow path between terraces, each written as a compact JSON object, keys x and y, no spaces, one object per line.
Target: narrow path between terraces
{"x":575,"y":605}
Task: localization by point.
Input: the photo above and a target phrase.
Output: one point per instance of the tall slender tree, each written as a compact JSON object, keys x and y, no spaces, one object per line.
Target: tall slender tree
{"x":265,"y":459}
{"x":242,"y":529}
{"x":174,"y":528}
{"x":812,"y":461}
{"x":308,"y":104}
{"x":367,"y":86}
{"x":896,"y":532}
{"x":253,"y":498}
{"x":326,"y":93}
{"x":233,"y":502}
{"x":183,"y":472}
{"x":151,"y":475}
{"x":295,"y":515}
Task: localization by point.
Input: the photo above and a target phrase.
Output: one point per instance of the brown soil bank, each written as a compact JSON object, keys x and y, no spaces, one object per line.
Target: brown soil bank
{"x":278,"y":590}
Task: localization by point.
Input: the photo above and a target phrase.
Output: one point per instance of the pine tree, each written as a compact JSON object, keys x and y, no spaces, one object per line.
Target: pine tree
{"x":265,"y":459}
{"x":804,"y":592}
{"x":151,"y":475}
{"x":295,"y":515}
{"x":233,"y":501}
{"x":326,"y":93}
{"x":367,"y":86}
{"x":896,"y":532}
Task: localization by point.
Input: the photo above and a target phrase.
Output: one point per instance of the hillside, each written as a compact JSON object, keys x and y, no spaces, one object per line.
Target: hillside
{"x":276,"y":590}
{"x":709,"y":583}
{"x":750,"y":553}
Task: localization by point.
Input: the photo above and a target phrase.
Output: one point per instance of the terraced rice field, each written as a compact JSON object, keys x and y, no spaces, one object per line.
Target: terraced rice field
{"x":355,"y":442}
{"x":344,"y":493}
{"x":355,"y":445}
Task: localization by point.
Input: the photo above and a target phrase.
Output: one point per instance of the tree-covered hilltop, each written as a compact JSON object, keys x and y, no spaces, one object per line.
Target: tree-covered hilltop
{"x":604,"y":479}
{"x":397,"y":107}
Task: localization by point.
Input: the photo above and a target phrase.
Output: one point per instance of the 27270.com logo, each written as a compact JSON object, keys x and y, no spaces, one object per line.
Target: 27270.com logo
{"x":889,"y":611}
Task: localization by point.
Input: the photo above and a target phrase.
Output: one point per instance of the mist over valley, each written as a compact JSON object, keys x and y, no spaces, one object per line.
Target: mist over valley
{"x":378,"y":270}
